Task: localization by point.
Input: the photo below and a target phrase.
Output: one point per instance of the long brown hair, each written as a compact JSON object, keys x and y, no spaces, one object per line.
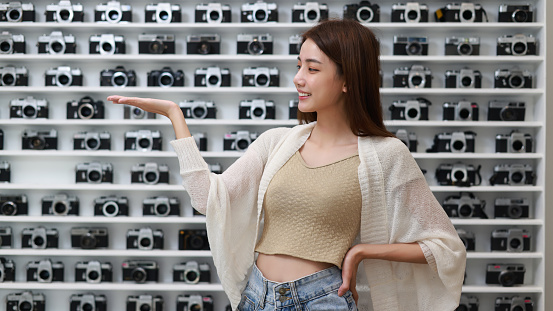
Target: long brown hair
{"x":355,"y":50}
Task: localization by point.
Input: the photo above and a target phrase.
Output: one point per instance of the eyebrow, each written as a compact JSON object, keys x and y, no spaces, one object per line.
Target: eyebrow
{"x":311,"y":60}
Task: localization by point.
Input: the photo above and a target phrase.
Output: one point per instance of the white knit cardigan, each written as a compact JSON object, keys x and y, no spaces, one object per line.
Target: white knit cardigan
{"x":397,"y":207}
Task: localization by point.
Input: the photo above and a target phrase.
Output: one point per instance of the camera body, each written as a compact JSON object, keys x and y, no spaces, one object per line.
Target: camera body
{"x":29,"y":108}
{"x":194,"y":240}
{"x":113,"y":12}
{"x":162,"y":13}
{"x":89,"y":238}
{"x":201,"y":141}
{"x":253,"y":44}
{"x":150,"y":173}
{"x":16,"y":12}
{"x":212,"y":77}
{"x":166,"y":77}
{"x":239,"y":140}
{"x":6,"y":237}
{"x":156,"y":44}
{"x":131,"y":112}
{"x":145,"y":302}
{"x":514,"y":303}
{"x":469,"y":303}
{"x":456,"y":142}
{"x":463,"y":79}
{"x":192,"y":272}
{"x":513,"y":174}
{"x":60,"y":205}
{"x":410,"y":12}
{"x":111,"y":206}
{"x":513,"y":79}
{"x":411,"y":110}
{"x":517,"y":45}
{"x":39,"y":140}
{"x":160,"y":206}
{"x":416,"y":76}
{"x":309,"y":12}
{"x":63,"y":76}
{"x":198,"y":109}
{"x":94,"y":172}
{"x":468,"y":239}
{"x":12,"y":205}
{"x":464,"y":12}
{"x":45,"y":271}
{"x":140,"y":271}
{"x":81,"y":302}
{"x":14,"y":76}
{"x":85,"y":108}
{"x":118,"y":77}
{"x":56,"y":43}
{"x":408,"y":138}
{"x":64,"y":12}
{"x":511,"y":13}
{"x":144,"y":239}
{"x":464,"y":205}
{"x":194,"y":302}
{"x":92,"y":141}
{"x":143,"y":140}
{"x":203,"y":44}
{"x":505,"y":274}
{"x":293,"y":109}
{"x":7,"y":270}
{"x":410,"y":45}
{"x":462,"y":46}
{"x":460,"y":111}
{"x":515,"y":142}
{"x":93,"y":272}
{"x":5,"y":176}
{"x":257,"y":109}
{"x":294,"y":44}
{"x":25,"y":301}
{"x":511,"y":208}
{"x":39,"y":238}
{"x":364,"y":12}
{"x":260,"y":76}
{"x":506,"y":111}
{"x":259,"y":12}
{"x":213,"y":13}
{"x":107,"y":44}
{"x":457,"y":174}
{"x":511,"y":240}
{"x":12,"y":44}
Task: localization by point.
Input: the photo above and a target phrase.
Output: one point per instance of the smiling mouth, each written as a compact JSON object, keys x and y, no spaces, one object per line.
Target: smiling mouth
{"x":303,"y":94}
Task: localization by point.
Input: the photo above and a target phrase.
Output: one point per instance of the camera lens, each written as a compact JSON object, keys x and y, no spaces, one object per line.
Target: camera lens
{"x":92,"y":143}
{"x":517,"y":177}
{"x":457,"y":145}
{"x":516,"y":81}
{"x":107,"y":47}
{"x":113,"y":15}
{"x":204,"y":48}
{"x":255,"y":47}
{"x":25,"y":306}
{"x":519,"y":48}
{"x":242,"y":144}
{"x":63,"y":79}
{"x":87,"y":307}
{"x":94,"y":176}
{"x":199,"y":112}
{"x":465,"y":210}
{"x":312,"y":15}
{"x":464,"y":49}
{"x":138,"y":113}
{"x":467,"y":15}
{"x":38,"y":241}
{"x":37,"y":143}
{"x":214,"y":15}
{"x":364,"y":15}
{"x":156,"y":47}
{"x":163,"y":16}
{"x":9,"y":208}
{"x":60,"y":208}
{"x":151,"y":177}
{"x":93,"y":275}
{"x":64,"y":15}
{"x":262,"y":80}
{"x":162,"y":209}
{"x":517,"y":146}
{"x":520,"y":16}
{"x":88,"y":241}
{"x":85,"y":111}
{"x":44,"y":274}
{"x":258,"y":112}
{"x":458,"y":175}
{"x":14,"y":14}
{"x":145,"y":242}
{"x":213,"y":80}
{"x":464,"y":114}
{"x":514,"y":211}
{"x":413,"y":48}
{"x":196,"y":242}
{"x":508,"y":114}
{"x":29,"y":111}
{"x":166,"y":79}
{"x":515,"y":243}
{"x":191,"y":276}
{"x":56,"y":47}
{"x":507,"y":278}
{"x":139,"y":275}
{"x":110,"y":209}
{"x":144,"y":143}
{"x":412,"y":113}
{"x":8,"y":79}
{"x":416,"y":80}
{"x":518,"y":308}
{"x":119,"y":79}
{"x":260,"y":15}
{"x":466,"y":81}
{"x":412,"y":15}
{"x":5,"y":47}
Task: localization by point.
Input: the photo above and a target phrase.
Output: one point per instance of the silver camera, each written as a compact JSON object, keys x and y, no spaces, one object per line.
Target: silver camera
{"x":462,"y":46}
{"x":201,"y":140}
{"x":56,"y":43}
{"x":410,"y":12}
{"x":15,"y":12}
{"x":257,"y":109}
{"x":259,"y":12}
{"x":60,"y":205}
{"x":162,"y":13}
{"x":25,"y":301}
{"x":517,"y":45}
{"x":260,"y":76}
{"x":294,"y":43}
{"x":64,"y":12}
{"x":309,"y":12}
{"x":131,"y":112}
{"x":254,"y":44}
{"x":212,"y":77}
{"x":45,"y":271}
{"x":145,"y":239}
{"x":203,"y":44}
{"x":160,"y":206}
{"x":39,"y":140}
{"x":213,"y":13}
{"x":156,"y":44}
{"x":93,"y":272}
{"x":416,"y":76}
{"x":63,"y":76}
{"x":89,"y":302}
{"x":14,"y":76}
{"x":107,"y":44}
{"x":29,"y":108}
{"x":239,"y":140}
{"x":94,"y":172}
{"x":11,"y":44}
{"x":113,"y":12}
{"x":198,"y":109}
{"x":92,"y":141}
{"x":150,"y":173}
{"x":192,"y":272}
{"x":111,"y":206}
{"x":39,"y":238}
{"x":143,"y":140}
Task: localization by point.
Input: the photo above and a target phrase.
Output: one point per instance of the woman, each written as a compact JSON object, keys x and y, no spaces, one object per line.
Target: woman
{"x":325,"y":196}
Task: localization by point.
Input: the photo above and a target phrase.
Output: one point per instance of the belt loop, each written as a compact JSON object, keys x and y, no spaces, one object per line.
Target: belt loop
{"x":263,"y":295}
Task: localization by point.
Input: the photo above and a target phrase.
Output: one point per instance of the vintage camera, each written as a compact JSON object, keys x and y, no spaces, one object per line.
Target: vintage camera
{"x":293,"y":109}
{"x":254,"y":44}
{"x":6,"y":237}
{"x":60,"y":205}
{"x":455,"y":142}
{"x":5,"y":176}
{"x":140,"y":271}
{"x":45,"y":271}
{"x":511,"y":208}
{"x":521,"y":13}
{"x":143,"y":140}
{"x":39,"y":238}
{"x":118,"y":77}
{"x":150,"y":173}
{"x":309,"y":12}
{"x":517,"y":45}
{"x":468,"y":303}
{"x":410,"y":45}
{"x":408,"y":138}
{"x":463,"y":79}
{"x":107,"y":44}
{"x":203,"y":44}
{"x":239,"y":140}
{"x":198,"y":109}
{"x":11,"y":44}
{"x":25,"y":301}
{"x":145,"y":302}
{"x":460,"y":111}
{"x":364,"y":12}
{"x":411,"y":110}
{"x":29,"y":108}
{"x":94,"y":172}
{"x":85,"y":108}
{"x":113,"y":12}
{"x":464,"y":205}
{"x":156,"y":44}
{"x":462,"y":46}
{"x":515,"y":142}
{"x":295,"y":42}
{"x":506,"y":111}
{"x":14,"y":76}
{"x":214,"y":168}
{"x":260,"y":76}
{"x":511,"y":240}
{"x":64,"y":12}
{"x":63,"y":76}
{"x":39,"y":140}
{"x":513,"y":79}
{"x":161,"y":206}
{"x":505,"y":274}
{"x":410,"y":12}
{"x":89,"y":238}
{"x":468,"y":239}
{"x":257,"y":109}
{"x":464,"y":12}
{"x":259,"y":12}
{"x":514,"y":303}
{"x":11,"y":205}
{"x":212,"y":13}
{"x":212,"y":77}
{"x":15,"y":11}
{"x":192,"y":272}
{"x":89,"y":302}
{"x":162,"y":13}
{"x":458,"y":174}
{"x":513,"y":174}
{"x":194,"y":240}
{"x":131,"y":112}
{"x":416,"y":76}
{"x":111,"y":206}
{"x":166,"y":77}
{"x":145,"y":239}
{"x":92,"y":141}
{"x":7,"y":270}
{"x":194,"y":302}
{"x":93,"y":272}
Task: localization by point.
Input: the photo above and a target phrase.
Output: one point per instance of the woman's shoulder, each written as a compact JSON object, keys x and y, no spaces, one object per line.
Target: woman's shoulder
{"x":388,"y":145}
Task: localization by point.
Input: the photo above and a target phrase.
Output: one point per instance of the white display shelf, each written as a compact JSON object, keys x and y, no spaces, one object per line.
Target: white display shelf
{"x":506,"y":189}
{"x":106,"y":286}
{"x":106,"y":252}
{"x":102,"y":220}
{"x":504,"y":255}
{"x":489,"y":289}
{"x":497,"y":222}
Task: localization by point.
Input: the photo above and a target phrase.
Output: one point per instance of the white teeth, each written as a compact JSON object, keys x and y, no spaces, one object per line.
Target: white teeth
{"x":304,"y":94}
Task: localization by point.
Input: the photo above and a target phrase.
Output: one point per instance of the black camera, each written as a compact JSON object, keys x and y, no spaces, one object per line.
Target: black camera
{"x":6,"y":237}
{"x":56,"y":43}
{"x":29,"y":108}
{"x":410,"y":45}
{"x":39,"y":140}
{"x":85,"y":108}
{"x":25,"y":301}
{"x":364,"y":12}
{"x":198,"y":109}
{"x":411,"y":110}
{"x":460,"y":111}
{"x":408,"y":138}
{"x":92,"y":141}
{"x":145,"y":302}
{"x":515,"y":142}
{"x":212,"y":77}
{"x":309,"y":12}
{"x":5,"y":176}
{"x":94,"y":172}
{"x":514,"y":303}
{"x":513,"y":79}
{"x":521,"y":13}
{"x":7,"y":270}
{"x":517,"y":45}
{"x":107,"y":44}
{"x":45,"y":271}
{"x":195,"y":240}
{"x":464,"y":12}
{"x":260,"y":76}
{"x":131,"y":112}
{"x":506,"y":111}
{"x":293,"y":109}
{"x":458,"y":174}
{"x":259,"y":12}
{"x":140,"y":271}
{"x":257,"y":109}
{"x":203,"y":44}
{"x":89,"y":302}
{"x":64,"y":12}
{"x":511,"y":240}
{"x":511,"y":208}
{"x":161,"y":206}
{"x":201,"y":141}
{"x":14,"y":76}
{"x":156,"y":44}
{"x":11,"y":44}
{"x":166,"y":77}
{"x":254,"y":44}
{"x":463,"y":79}
{"x":513,"y":174}
{"x":294,"y":44}
{"x":464,"y":205}
{"x":468,"y":303}
{"x":63,"y":76}
{"x":113,"y":12}
{"x":15,"y":12}
{"x":150,"y":173}
{"x":410,"y":12}
{"x":239,"y":140}
{"x":144,"y":239}
{"x":143,"y":140}
{"x":111,"y":206}
{"x":60,"y":205}
{"x":462,"y":46}
{"x":467,"y":238}
{"x":118,"y":77}
{"x":162,"y":13}
{"x":455,"y":142}
{"x":93,"y":272}
{"x":192,"y":272}
{"x":39,"y":238}
{"x":212,"y":13}
{"x":89,"y":238}
{"x":11,"y":205}
{"x":416,"y":76}
{"x":194,"y":302}
{"x":505,"y":274}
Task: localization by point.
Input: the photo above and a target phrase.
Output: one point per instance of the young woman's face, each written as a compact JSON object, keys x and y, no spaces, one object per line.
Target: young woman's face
{"x":319,"y":85}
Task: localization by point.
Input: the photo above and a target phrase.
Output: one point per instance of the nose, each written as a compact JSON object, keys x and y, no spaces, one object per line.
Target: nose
{"x":298,"y":78}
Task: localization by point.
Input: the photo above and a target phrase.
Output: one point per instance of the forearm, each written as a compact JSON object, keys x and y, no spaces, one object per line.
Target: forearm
{"x":410,"y":252}
{"x":179,"y":123}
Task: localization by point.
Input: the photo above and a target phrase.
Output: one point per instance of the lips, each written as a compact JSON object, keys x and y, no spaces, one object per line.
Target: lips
{"x":303,"y":94}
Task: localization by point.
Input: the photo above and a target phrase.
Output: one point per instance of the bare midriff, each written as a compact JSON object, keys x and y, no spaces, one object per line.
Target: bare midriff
{"x":285,"y":268}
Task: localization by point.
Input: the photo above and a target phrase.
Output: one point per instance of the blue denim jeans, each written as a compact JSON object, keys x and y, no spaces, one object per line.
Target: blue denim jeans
{"x":318,"y":291}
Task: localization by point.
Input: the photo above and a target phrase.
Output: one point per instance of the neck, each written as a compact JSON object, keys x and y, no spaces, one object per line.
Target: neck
{"x":332,"y":129}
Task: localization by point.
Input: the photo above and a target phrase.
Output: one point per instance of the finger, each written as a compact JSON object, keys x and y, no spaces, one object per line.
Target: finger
{"x":115,"y":98}
{"x":346,"y":281}
{"x":355,"y":296}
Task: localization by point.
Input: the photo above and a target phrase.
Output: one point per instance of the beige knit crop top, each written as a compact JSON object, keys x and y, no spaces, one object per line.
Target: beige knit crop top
{"x":312,"y":213}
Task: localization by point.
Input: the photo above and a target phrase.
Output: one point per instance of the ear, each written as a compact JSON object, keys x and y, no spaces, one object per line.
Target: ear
{"x":344,"y":88}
